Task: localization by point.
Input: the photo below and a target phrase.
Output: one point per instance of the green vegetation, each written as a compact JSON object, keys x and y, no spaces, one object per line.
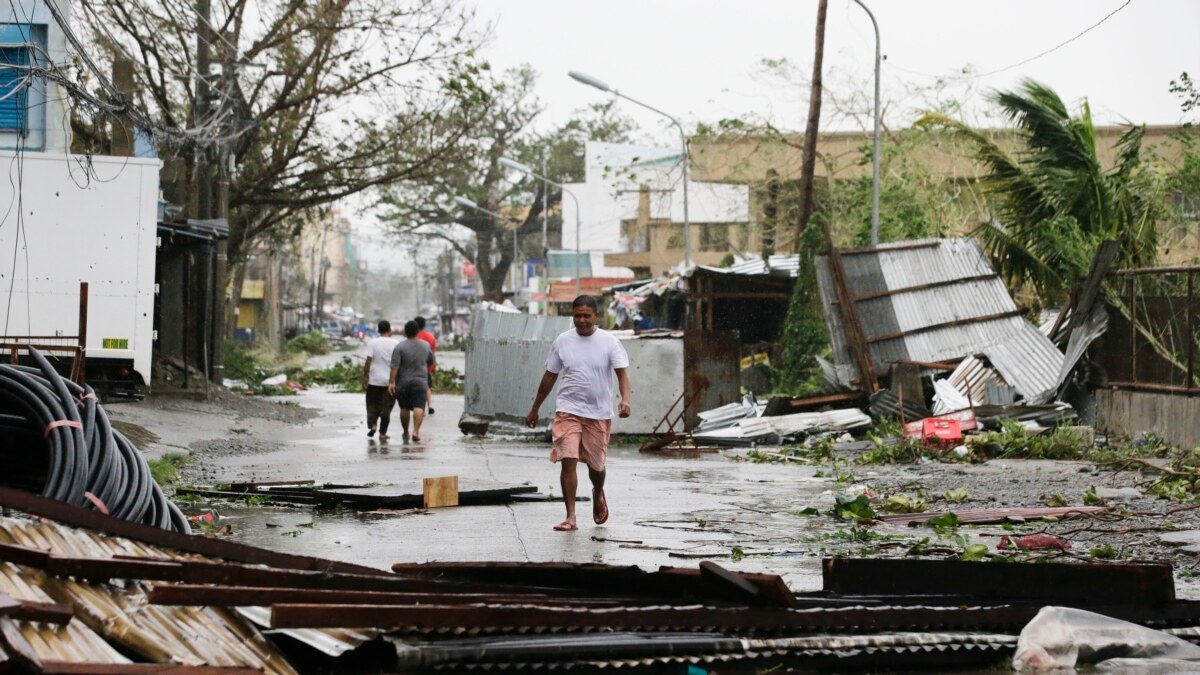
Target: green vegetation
{"x":312,"y":342}
{"x":846,"y":507}
{"x":804,"y":335}
{"x":955,"y":496}
{"x":1053,"y":203}
{"x":447,"y":381}
{"x":346,"y":373}
{"x":165,"y":469}
{"x":1014,"y":440}
{"x":904,"y":504}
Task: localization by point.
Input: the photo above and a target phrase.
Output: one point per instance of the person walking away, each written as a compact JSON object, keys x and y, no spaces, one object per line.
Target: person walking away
{"x":409,"y":379}
{"x":585,"y":358}
{"x":429,"y":339}
{"x":376,"y":372}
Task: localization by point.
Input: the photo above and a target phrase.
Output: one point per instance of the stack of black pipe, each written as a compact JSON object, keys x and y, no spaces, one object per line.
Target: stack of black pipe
{"x":58,"y":442}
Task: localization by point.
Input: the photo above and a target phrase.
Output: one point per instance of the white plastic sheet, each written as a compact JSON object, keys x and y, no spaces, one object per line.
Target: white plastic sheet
{"x":1063,"y":637}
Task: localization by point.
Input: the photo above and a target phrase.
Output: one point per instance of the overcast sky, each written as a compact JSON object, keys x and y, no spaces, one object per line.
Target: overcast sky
{"x":701,"y":60}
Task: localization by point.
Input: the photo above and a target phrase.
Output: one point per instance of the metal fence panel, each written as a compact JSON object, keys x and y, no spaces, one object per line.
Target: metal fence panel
{"x":506,"y":356}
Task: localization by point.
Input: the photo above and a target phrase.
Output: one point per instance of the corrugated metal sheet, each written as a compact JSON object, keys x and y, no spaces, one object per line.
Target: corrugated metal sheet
{"x":108,"y":614}
{"x":506,"y":356}
{"x":777,"y":264}
{"x":73,"y":643}
{"x":1024,"y":357}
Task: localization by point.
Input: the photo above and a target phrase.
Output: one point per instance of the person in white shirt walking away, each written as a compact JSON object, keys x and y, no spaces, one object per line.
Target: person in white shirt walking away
{"x":376,"y":371}
{"x":585,"y":358}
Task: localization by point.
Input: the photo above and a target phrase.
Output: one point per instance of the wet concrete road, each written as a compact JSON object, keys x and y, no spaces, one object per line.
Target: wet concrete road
{"x":665,"y":510}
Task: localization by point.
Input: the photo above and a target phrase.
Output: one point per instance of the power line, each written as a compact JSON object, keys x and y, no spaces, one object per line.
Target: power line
{"x":1064,"y":43}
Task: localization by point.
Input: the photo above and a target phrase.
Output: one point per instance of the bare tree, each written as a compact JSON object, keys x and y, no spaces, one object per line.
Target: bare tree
{"x":424,"y":208}
{"x":315,"y":101}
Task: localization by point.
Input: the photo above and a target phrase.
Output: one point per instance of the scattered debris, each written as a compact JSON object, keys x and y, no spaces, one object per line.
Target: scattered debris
{"x":1033,"y":542}
{"x":780,"y":428}
{"x":470,"y":493}
{"x":984,"y":516}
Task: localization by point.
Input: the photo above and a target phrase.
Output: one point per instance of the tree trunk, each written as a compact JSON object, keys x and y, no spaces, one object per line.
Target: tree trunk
{"x":492,"y":277}
{"x":809,"y":162}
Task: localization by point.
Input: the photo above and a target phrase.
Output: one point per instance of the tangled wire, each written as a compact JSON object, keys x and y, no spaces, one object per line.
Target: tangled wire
{"x":61,"y":445}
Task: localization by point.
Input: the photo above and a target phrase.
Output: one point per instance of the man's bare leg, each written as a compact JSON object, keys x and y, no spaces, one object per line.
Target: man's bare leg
{"x":569,"y":480}
{"x":404,"y":422}
{"x":599,"y":504}
{"x":418,"y":416}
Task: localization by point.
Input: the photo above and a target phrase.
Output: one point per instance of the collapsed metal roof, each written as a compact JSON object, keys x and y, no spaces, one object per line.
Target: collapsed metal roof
{"x":783,"y":265}
{"x":937,"y":300}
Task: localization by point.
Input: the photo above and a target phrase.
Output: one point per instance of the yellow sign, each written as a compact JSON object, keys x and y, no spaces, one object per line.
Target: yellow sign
{"x":115,"y":343}
{"x":758,"y":358}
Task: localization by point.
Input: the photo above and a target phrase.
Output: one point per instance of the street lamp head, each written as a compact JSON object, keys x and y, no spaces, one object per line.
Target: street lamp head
{"x":463,"y":201}
{"x":515,"y":165}
{"x":588,"y":80}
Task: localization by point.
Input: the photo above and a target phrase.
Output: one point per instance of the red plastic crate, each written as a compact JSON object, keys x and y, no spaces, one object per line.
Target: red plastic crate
{"x":934,"y":430}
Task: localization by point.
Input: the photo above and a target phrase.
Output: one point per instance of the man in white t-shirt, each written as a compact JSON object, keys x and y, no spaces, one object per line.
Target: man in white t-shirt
{"x":375,"y":379}
{"x":585,"y":358}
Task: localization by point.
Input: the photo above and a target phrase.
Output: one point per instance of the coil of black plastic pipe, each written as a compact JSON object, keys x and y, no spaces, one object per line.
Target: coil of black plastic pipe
{"x":59,"y":443}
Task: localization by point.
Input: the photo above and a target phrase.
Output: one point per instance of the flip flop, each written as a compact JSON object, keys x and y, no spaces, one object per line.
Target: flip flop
{"x":602,"y":505}
{"x":566,"y":526}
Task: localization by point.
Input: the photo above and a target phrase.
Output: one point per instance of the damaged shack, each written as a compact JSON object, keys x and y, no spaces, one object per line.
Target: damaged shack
{"x":931,"y":304}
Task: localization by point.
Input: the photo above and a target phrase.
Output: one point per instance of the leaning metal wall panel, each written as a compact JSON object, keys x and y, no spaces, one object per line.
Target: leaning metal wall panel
{"x":506,"y":356}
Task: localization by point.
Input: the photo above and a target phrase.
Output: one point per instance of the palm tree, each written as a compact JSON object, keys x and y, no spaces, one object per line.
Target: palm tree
{"x":1053,"y":201}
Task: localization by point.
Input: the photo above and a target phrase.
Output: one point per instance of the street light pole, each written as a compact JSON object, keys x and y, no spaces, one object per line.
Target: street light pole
{"x":545,"y":244}
{"x":517,"y":166}
{"x":687,"y":229}
{"x":875,"y":150}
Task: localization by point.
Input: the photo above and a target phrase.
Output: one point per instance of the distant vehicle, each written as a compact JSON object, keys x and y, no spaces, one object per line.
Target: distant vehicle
{"x":334,"y":328}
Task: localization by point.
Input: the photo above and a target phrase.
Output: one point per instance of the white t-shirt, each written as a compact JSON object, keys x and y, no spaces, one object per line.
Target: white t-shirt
{"x":379,"y":350}
{"x":584,"y":366}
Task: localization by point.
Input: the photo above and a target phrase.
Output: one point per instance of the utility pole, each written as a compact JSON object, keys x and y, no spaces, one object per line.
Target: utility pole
{"x":225,"y":91}
{"x":203,"y":60}
{"x":543,"y":286}
{"x":204,"y":199}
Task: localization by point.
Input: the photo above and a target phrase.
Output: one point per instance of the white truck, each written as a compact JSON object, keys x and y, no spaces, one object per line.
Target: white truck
{"x":66,"y":219}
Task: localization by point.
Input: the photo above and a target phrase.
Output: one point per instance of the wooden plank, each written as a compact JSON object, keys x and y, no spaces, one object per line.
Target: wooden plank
{"x":440,"y":491}
{"x":924,"y":287}
{"x":946,"y":324}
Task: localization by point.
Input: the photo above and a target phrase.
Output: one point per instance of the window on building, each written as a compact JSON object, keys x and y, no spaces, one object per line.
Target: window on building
{"x":22,"y":99}
{"x":13,"y":89}
{"x":714,"y":237}
{"x":634,"y":239}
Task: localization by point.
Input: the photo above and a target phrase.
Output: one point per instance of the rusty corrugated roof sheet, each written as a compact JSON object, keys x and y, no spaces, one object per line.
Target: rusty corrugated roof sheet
{"x":111,"y":616}
{"x":939,"y":300}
